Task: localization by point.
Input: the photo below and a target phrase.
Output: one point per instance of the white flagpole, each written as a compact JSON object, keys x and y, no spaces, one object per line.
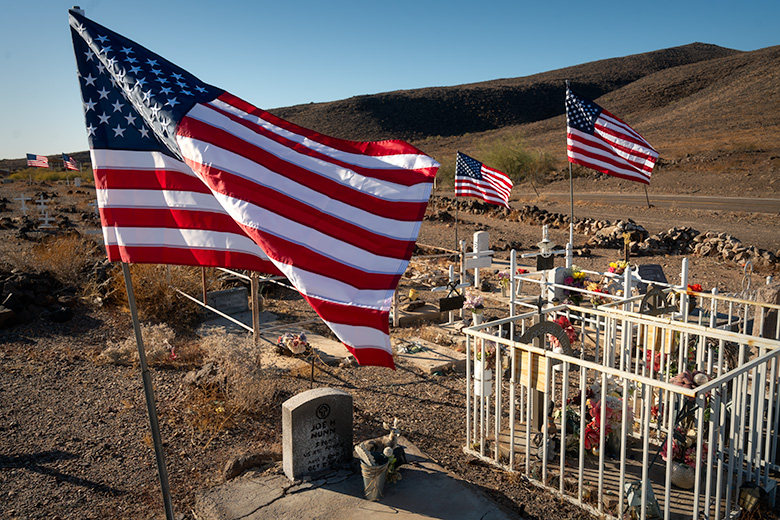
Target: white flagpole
{"x":149,"y":391}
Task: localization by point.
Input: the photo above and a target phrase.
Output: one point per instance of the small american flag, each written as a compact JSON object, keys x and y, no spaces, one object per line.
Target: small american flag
{"x":39,"y":161}
{"x":70,"y":163}
{"x":474,"y":179}
{"x":189,"y":174}
{"x":598,"y":140}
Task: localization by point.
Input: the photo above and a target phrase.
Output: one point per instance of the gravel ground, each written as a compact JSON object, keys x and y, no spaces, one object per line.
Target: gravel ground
{"x":74,"y":433}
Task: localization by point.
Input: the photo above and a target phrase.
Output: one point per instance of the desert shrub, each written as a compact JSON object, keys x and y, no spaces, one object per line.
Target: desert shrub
{"x":155,"y":300}
{"x":512,"y":156}
{"x":67,"y":258}
{"x":158,"y":346}
{"x":239,"y":377}
{"x":46,"y":174}
{"x":508,"y":154}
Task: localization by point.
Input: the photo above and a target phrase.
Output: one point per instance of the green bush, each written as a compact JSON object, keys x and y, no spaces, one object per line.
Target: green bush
{"x":45,"y":174}
{"x":508,"y":154}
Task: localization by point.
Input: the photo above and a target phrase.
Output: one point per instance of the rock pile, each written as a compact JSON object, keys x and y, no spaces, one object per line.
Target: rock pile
{"x":610,"y":235}
{"x":26,"y":296}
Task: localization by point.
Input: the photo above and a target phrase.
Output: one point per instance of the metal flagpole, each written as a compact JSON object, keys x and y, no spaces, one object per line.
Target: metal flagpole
{"x":571,"y":197}
{"x":457,"y":205}
{"x":647,"y":197}
{"x":148,"y":390}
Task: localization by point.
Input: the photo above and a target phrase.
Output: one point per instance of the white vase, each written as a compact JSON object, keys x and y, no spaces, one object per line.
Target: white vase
{"x":504,"y":291}
{"x":483,"y":380}
{"x":476,"y":318}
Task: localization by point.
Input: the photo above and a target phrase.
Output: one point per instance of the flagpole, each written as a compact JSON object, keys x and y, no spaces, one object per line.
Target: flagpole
{"x":149,"y":391}
{"x":647,"y":197}
{"x":457,"y":205}
{"x":571,"y":200}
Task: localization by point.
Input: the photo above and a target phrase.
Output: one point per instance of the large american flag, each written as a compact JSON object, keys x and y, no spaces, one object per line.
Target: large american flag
{"x":598,"y":140}
{"x":474,"y":179}
{"x":189,"y":174}
{"x":39,"y":161}
{"x":69,"y":162}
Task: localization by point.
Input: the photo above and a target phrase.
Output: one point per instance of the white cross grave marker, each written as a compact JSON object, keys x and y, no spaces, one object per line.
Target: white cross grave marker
{"x":24,"y":205}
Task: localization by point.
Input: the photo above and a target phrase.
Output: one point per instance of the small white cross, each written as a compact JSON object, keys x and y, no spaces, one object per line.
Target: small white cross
{"x":24,"y":206}
{"x":46,"y":219}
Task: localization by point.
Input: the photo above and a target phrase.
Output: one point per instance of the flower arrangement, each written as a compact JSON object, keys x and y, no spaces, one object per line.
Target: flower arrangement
{"x":684,"y":448}
{"x":598,"y":288}
{"x":613,"y":416}
{"x":474,"y":302}
{"x":691,"y":297}
{"x":566,"y":325}
{"x":503,"y":279}
{"x":575,"y":278}
{"x":618,"y":267}
{"x":490,"y":351}
{"x":289,"y":343}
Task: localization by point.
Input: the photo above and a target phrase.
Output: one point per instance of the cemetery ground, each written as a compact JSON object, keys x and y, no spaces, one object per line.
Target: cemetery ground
{"x":74,"y":430}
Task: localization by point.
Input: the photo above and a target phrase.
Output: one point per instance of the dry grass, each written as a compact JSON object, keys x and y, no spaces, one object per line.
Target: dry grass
{"x":155,"y":300}
{"x":67,"y":258}
{"x":158,"y":345}
{"x":241,"y":381}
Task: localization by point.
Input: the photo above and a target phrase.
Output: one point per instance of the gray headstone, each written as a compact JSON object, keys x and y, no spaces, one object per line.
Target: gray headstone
{"x":229,"y":301}
{"x":316,"y":432}
{"x":651,"y":273}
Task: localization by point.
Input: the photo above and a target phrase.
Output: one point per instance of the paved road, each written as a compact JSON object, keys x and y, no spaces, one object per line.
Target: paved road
{"x":746,"y":204}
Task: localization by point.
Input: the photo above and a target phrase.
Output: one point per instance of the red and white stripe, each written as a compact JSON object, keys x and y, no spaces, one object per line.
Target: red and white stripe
{"x":338,"y":218}
{"x":615,"y":149}
{"x":39,"y":161}
{"x":494,"y":188}
{"x":153,"y":209}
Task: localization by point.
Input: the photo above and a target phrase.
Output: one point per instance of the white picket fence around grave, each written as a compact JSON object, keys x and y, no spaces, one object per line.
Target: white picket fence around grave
{"x":735,"y":415}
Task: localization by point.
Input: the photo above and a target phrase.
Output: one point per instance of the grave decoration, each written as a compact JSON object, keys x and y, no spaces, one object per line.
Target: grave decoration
{"x":290,"y":344}
{"x":575,"y":278}
{"x":618,"y":267}
{"x":379,"y":461}
{"x":598,"y":288}
{"x":611,"y":422}
{"x":684,"y":447}
{"x":476,"y":305}
{"x":503,"y":282}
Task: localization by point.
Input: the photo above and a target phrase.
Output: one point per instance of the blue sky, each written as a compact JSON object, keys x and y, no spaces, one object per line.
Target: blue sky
{"x":275,"y":54}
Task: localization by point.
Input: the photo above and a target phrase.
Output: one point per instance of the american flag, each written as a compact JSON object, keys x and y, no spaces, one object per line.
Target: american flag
{"x":39,"y":161}
{"x":69,"y":162}
{"x":598,"y":140}
{"x":474,"y":179}
{"x":189,"y":174}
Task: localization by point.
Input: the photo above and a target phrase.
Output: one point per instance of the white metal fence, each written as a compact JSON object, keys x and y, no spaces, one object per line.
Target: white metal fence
{"x":595,"y":425}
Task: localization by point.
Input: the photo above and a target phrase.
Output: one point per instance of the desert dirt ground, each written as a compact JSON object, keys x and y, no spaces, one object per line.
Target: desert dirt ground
{"x":74,"y":434}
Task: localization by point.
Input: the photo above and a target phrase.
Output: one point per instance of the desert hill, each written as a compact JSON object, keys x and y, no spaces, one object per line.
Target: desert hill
{"x":478,"y":107}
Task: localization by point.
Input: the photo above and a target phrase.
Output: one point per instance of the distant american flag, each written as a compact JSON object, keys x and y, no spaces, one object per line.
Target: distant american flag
{"x":474,"y":179}
{"x":39,"y":161}
{"x":69,"y":162}
{"x":189,"y":174}
{"x":598,"y":140}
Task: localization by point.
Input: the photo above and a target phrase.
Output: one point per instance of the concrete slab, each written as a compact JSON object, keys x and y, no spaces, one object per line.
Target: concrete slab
{"x":331,"y":352}
{"x":429,"y":357}
{"x":426,"y":490}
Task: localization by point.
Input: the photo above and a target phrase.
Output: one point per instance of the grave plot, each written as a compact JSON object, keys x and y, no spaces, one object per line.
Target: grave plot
{"x":614,"y":408}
